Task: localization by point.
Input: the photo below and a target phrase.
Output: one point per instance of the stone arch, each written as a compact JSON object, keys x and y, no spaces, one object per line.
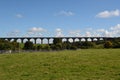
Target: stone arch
{"x":6,"y":39}
{"x":25,"y":40}
{"x":12,"y":40}
{"x":38,"y":41}
{"x":83,"y":39}
{"x":89,"y":39}
{"x":101,"y":39}
{"x":19,"y":40}
{"x":77,"y":40}
{"x":64,"y":40}
{"x":32,"y":40}
{"x":70,"y":40}
{"x":45,"y":41}
{"x":51,"y":41}
{"x":95,"y":39}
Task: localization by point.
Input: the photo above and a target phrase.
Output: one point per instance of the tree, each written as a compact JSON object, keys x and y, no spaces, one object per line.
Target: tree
{"x":116,"y":45}
{"x":15,"y":45}
{"x":28,"y":45}
{"x":108,"y":44}
{"x":5,"y":45}
{"x":73,"y":47}
{"x":67,"y":45}
{"x":57,"y":40}
{"x":39,"y":47}
{"x":87,"y":45}
{"x":46,"y":47}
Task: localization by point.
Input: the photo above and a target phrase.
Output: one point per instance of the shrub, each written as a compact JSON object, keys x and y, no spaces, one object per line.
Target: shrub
{"x":46,"y":47}
{"x":73,"y":48}
{"x":108,"y":44}
{"x":86,"y":45}
{"x":39,"y":47}
{"x":28,"y":45}
{"x":57,"y":40}
{"x":116,"y":44}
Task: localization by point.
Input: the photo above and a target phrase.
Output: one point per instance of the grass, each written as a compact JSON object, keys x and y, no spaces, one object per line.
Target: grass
{"x":89,"y":64}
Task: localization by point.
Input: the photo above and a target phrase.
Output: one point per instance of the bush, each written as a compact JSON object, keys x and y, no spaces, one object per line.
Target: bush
{"x":28,"y":45}
{"x":86,"y":45}
{"x":66,"y":45}
{"x":108,"y":44}
{"x":39,"y":47}
{"x":46,"y":47}
{"x":57,"y":40}
{"x":5,"y":45}
{"x":116,"y":44}
{"x":58,"y":46}
{"x":73,"y":48}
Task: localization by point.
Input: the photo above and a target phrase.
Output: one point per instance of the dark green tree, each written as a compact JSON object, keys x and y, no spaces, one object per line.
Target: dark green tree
{"x":57,"y":40}
{"x":46,"y":47}
{"x":108,"y":44}
{"x":28,"y":45}
{"x":5,"y":45}
{"x":87,"y":45}
{"x":39,"y":47}
{"x":15,"y":45}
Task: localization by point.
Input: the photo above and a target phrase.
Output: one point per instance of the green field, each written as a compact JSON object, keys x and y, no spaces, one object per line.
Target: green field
{"x":86,"y":64}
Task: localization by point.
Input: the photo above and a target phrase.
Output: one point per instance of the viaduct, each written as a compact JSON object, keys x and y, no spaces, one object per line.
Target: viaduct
{"x":49,"y":39}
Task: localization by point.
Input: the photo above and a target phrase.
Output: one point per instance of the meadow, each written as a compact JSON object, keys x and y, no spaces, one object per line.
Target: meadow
{"x":84,"y":64}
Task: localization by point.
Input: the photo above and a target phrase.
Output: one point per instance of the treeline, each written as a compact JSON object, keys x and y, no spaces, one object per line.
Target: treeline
{"x":58,"y":45}
{"x":6,"y":45}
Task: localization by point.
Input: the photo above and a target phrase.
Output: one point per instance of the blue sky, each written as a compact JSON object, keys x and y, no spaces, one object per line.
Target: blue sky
{"x":59,"y":18}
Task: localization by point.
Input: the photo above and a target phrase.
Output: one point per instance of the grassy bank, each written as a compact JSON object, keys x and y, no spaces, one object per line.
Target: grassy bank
{"x":89,"y":64}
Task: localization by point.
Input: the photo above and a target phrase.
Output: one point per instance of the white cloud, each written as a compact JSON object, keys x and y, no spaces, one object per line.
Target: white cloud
{"x":107,"y":14}
{"x":14,"y":33}
{"x":101,"y":30}
{"x":59,"y":32}
{"x":117,"y":27}
{"x":88,"y":34}
{"x":115,"y":30}
{"x":106,"y":33}
{"x":19,"y":15}
{"x":36,"y":29}
{"x":75,"y":33}
{"x":40,"y":32}
{"x":65,"y":13}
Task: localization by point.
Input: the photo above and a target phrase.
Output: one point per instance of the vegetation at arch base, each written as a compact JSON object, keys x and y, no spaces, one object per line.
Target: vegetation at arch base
{"x":58,"y":44}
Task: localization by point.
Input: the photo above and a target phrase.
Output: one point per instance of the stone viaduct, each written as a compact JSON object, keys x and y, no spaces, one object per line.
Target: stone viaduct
{"x":50,"y":39}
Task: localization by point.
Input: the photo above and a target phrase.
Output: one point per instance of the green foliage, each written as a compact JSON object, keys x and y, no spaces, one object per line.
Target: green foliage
{"x":39,"y":47}
{"x":57,"y":40}
{"x":6,"y":45}
{"x":99,"y":46}
{"x":46,"y":47}
{"x":116,"y":44}
{"x":108,"y":44}
{"x":59,"y":45}
{"x":87,"y":45}
{"x":67,"y":45}
{"x":28,"y":45}
{"x":15,"y":46}
{"x":73,"y":48}
{"x":90,"y":64}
